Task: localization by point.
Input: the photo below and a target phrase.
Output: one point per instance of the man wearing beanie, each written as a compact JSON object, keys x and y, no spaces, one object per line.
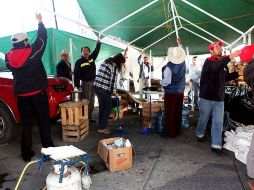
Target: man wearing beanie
{"x":30,"y":82}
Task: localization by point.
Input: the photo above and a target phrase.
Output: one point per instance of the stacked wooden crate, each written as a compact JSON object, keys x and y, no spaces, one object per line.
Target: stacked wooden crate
{"x":75,"y":124}
{"x":148,"y":117}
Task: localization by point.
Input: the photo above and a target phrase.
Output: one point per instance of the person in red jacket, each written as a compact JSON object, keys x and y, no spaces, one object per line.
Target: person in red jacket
{"x":30,"y":82}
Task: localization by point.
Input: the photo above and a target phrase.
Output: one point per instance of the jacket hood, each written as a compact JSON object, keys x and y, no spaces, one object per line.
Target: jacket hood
{"x":18,"y":57}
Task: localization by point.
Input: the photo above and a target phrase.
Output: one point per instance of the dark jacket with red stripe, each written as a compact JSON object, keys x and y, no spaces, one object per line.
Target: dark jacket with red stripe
{"x":26,"y":65}
{"x":85,"y":69}
{"x":213,"y":76}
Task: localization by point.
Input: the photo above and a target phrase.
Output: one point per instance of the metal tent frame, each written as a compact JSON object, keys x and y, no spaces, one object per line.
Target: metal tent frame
{"x":176,"y":17}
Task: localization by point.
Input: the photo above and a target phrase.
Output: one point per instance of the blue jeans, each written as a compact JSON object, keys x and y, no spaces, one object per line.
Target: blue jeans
{"x":216,"y":109}
{"x":194,"y":93}
{"x":105,"y":106}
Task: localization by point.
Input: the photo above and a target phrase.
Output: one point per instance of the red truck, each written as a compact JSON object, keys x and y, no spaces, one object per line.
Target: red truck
{"x":59,"y":91}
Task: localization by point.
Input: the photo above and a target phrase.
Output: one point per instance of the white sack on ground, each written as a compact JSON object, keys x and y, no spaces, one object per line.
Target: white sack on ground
{"x":250,"y":159}
{"x":239,"y":142}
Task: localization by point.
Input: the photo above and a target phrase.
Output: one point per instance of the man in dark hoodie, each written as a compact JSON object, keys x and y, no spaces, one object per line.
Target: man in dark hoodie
{"x":212,"y":89}
{"x":30,"y":82}
{"x":85,"y":71}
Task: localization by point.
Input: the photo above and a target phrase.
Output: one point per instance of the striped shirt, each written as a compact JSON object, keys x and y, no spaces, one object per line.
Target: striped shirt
{"x":106,"y":78}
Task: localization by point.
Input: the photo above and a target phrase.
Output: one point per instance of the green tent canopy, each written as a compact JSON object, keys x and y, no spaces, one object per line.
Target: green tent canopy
{"x":237,"y":13}
{"x":57,"y":41}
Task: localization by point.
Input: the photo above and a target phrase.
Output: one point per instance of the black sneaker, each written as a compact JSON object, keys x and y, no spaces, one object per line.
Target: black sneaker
{"x":92,"y":121}
{"x":28,"y":157}
{"x":217,"y":151}
{"x":201,"y":139}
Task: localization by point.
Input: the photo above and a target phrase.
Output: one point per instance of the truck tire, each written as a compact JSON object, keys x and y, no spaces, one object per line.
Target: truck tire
{"x":8,"y":126}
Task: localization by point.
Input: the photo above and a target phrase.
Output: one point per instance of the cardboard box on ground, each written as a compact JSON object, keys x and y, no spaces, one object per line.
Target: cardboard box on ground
{"x":115,"y":159}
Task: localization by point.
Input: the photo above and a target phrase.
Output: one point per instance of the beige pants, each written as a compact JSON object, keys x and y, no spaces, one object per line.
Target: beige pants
{"x":143,"y":83}
{"x":89,"y":94}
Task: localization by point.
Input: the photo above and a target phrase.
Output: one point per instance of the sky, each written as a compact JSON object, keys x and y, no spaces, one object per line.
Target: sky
{"x":19,"y":16}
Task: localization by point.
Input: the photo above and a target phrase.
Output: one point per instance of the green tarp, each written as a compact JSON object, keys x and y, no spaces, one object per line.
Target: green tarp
{"x":57,"y":41}
{"x":103,"y":13}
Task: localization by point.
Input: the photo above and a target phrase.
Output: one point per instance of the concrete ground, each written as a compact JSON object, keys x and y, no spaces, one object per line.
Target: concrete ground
{"x":180,"y":163}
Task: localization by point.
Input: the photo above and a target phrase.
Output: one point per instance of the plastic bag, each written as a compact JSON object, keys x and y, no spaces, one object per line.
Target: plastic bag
{"x":185,"y":117}
{"x":159,"y":121}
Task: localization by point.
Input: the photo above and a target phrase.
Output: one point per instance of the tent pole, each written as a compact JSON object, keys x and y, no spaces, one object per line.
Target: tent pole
{"x":151,"y":60}
{"x":150,"y":31}
{"x":88,"y":27}
{"x":161,"y":39}
{"x":245,"y":39}
{"x":198,"y":35}
{"x":238,"y":39}
{"x":53,"y":4}
{"x":188,"y":57}
{"x":234,"y":42}
{"x":71,"y":58}
{"x":177,"y":15}
{"x":173,"y":12}
{"x":126,"y":17}
{"x":249,"y":38}
{"x":203,"y":30}
{"x":53,"y":46}
{"x":214,"y":17}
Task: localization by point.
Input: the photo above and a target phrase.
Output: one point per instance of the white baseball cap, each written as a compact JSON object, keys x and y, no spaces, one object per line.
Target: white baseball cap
{"x":176,"y":55}
{"x":19,"y":37}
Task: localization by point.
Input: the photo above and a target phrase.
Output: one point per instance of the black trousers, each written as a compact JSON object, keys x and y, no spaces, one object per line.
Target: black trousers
{"x":29,"y":106}
{"x":105,"y":106}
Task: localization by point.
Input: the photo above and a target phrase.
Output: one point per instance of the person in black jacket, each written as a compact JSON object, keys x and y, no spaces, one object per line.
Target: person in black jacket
{"x":85,"y":71}
{"x":63,"y":68}
{"x":30,"y":82}
{"x":212,"y":88}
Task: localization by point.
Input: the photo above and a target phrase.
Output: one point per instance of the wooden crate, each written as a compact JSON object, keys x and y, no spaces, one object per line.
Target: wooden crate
{"x":147,"y":113}
{"x":146,"y":124}
{"x":146,"y":121}
{"x":74,"y":113}
{"x":75,"y":133}
{"x":154,"y":104}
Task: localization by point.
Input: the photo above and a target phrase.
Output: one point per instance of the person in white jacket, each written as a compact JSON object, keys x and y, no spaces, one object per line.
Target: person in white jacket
{"x":195,"y":74}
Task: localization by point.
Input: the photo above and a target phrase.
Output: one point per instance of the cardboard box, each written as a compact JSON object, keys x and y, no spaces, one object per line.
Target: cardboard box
{"x":154,"y":105}
{"x":115,"y":159}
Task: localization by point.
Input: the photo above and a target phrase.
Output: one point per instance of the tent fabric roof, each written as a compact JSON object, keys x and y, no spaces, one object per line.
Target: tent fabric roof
{"x":102,"y":13}
{"x":57,"y":41}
